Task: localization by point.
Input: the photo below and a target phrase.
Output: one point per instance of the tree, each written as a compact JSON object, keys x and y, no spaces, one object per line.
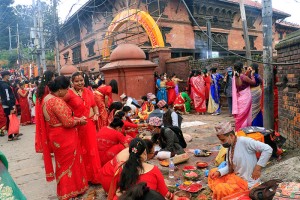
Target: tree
{"x":7,"y":18}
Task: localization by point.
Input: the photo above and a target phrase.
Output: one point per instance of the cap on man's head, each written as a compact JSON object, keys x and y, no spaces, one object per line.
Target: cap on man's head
{"x":161,"y":103}
{"x":123,"y":96}
{"x":5,"y":73}
{"x":155,"y":121}
{"x":223,"y":128}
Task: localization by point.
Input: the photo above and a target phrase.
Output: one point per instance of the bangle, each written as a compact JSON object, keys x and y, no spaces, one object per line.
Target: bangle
{"x":97,"y":114}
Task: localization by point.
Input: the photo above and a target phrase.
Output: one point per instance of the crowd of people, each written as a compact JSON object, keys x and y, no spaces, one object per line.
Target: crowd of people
{"x":100,"y":143}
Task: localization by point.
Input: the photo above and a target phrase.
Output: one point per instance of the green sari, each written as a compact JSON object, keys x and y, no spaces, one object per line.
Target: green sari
{"x":8,"y":188}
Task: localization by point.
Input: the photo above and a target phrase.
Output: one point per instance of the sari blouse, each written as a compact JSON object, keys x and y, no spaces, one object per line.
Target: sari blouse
{"x":108,"y":137}
{"x":81,"y":105}
{"x":59,"y":112}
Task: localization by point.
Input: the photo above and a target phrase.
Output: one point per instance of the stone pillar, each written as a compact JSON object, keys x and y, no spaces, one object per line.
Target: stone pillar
{"x":159,"y":56}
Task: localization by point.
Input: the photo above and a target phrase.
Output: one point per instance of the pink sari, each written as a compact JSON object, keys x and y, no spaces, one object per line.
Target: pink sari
{"x":198,"y":92}
{"x":241,"y":106}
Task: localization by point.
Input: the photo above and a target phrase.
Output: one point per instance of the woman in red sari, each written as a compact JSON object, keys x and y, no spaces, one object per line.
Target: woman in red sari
{"x":113,"y":109}
{"x":136,"y":170}
{"x":207,"y":80}
{"x":111,"y":140}
{"x":109,"y":169}
{"x":198,"y":92}
{"x":62,"y":138}
{"x":100,"y":102}
{"x":82,"y":102}
{"x":2,"y":120}
{"x":23,"y":101}
{"x":107,"y":90}
{"x":42,"y":91}
{"x":171,"y":91}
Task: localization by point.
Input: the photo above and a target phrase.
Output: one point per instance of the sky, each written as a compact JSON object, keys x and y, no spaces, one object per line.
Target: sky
{"x":67,"y":7}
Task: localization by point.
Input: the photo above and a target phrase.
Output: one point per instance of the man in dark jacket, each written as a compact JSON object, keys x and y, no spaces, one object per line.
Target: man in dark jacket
{"x":7,"y":97}
{"x":170,"y":117}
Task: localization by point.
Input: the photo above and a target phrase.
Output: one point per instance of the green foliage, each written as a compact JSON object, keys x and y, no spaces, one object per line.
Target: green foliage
{"x":7,"y":18}
{"x":8,"y":59}
{"x":50,"y":55}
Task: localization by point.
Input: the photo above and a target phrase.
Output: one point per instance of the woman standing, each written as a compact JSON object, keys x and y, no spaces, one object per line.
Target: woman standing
{"x":198,"y":92}
{"x":176,"y":81}
{"x":82,"y":102}
{"x":23,"y":101}
{"x":107,"y":91}
{"x":256,"y":92}
{"x":136,"y":170}
{"x":100,"y":102}
{"x":161,"y":88}
{"x":42,"y":91}
{"x":241,"y":97}
{"x":111,"y":140}
{"x":214,"y":104}
{"x":63,"y":139}
{"x":171,"y":91}
{"x":2,"y":120}
{"x":207,"y":80}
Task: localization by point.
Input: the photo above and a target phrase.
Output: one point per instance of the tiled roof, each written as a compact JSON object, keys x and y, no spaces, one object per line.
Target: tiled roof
{"x":289,"y":24}
{"x":258,"y":5}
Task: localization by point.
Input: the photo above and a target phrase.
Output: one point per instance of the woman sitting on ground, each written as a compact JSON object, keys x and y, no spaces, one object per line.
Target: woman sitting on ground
{"x":113,"y":109}
{"x":109,"y":169}
{"x":131,"y":128}
{"x":136,"y":170}
{"x":111,"y":140}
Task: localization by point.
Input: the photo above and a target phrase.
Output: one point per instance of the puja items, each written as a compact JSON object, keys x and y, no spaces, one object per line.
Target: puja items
{"x":202,"y":164}
{"x":183,"y":195}
{"x":192,"y":175}
{"x":177,"y":159}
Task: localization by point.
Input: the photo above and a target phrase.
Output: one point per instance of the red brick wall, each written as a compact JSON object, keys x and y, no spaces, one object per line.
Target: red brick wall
{"x":288,"y":50}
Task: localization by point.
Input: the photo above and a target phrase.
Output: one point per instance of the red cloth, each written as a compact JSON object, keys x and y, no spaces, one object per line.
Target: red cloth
{"x":25,"y":112}
{"x":87,"y":133}
{"x":110,"y":143}
{"x":107,"y":173}
{"x":38,"y":122}
{"x":70,"y":171}
{"x":207,"y":86}
{"x":2,"y":117}
{"x":106,"y":90}
{"x":103,"y":115}
{"x":171,"y":92}
{"x":198,"y":92}
{"x":179,"y":104}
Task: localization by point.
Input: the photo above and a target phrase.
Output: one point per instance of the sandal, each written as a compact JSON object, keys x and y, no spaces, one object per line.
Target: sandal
{"x":10,"y":139}
{"x":2,"y":133}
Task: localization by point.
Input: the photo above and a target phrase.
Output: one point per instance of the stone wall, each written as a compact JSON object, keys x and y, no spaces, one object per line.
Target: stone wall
{"x":288,"y":86}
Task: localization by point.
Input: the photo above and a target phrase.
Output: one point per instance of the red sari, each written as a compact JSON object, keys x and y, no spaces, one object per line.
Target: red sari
{"x":25,"y":112}
{"x":207,"y":86}
{"x":38,"y":122}
{"x":110,"y":143}
{"x":130,"y":128}
{"x":106,"y":90}
{"x":2,"y":117}
{"x":87,"y":133}
{"x":154,"y":179}
{"x":198,"y":92}
{"x":103,"y":115}
{"x":171,"y":92}
{"x":63,"y":139}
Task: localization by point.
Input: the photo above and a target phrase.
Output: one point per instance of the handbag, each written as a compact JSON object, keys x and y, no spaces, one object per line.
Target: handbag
{"x":265,"y":191}
{"x":14,"y":124}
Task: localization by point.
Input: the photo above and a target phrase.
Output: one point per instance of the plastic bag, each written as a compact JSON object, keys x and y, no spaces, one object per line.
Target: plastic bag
{"x":14,"y":124}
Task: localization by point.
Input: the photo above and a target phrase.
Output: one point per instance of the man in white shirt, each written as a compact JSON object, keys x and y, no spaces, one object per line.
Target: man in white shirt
{"x":243,"y":170}
{"x":129,"y":101}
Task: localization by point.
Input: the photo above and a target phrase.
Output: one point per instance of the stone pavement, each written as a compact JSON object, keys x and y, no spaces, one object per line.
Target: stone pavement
{"x":27,"y":167}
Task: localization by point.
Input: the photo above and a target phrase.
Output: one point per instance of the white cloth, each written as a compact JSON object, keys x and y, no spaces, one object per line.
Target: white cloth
{"x":129,"y":103}
{"x":174,"y":117}
{"x":244,"y":158}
